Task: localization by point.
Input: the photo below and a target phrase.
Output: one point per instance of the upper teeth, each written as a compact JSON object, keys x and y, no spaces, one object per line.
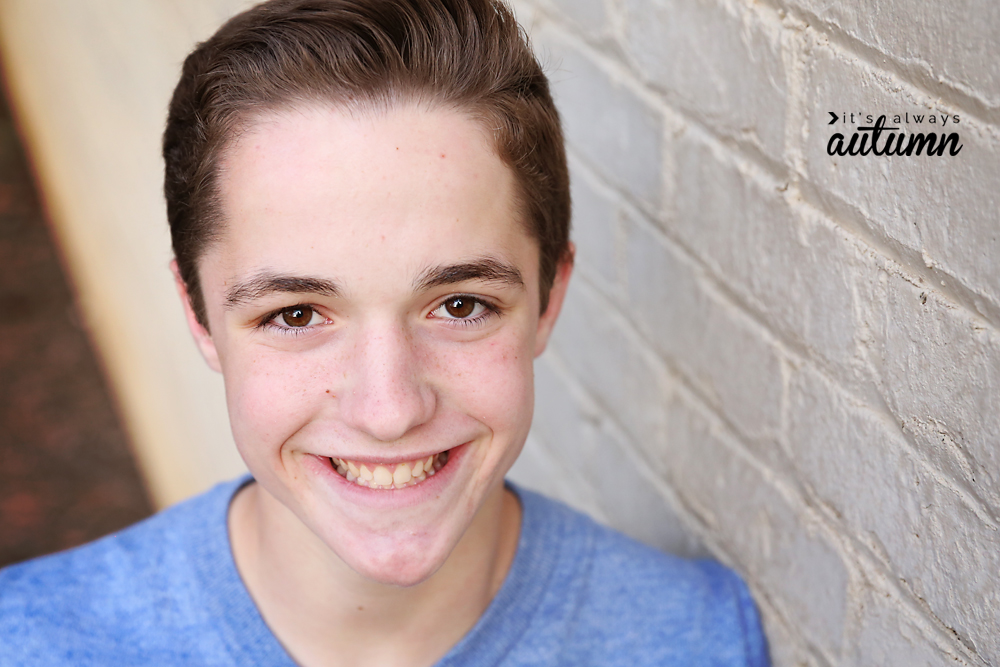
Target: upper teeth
{"x":390,"y":476}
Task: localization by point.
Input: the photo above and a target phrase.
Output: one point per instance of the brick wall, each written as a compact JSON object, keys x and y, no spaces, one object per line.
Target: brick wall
{"x":786,"y":359}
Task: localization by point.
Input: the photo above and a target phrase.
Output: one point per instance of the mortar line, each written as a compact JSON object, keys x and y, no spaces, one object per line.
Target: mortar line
{"x":977,"y":505}
{"x":802,"y":502}
{"x":752,"y":156}
{"x":965,"y":102}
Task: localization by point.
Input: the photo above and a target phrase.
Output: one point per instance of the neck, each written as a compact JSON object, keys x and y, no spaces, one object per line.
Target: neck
{"x":323,"y":612}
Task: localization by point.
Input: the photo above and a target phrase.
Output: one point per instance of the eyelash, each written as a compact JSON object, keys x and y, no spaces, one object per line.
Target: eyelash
{"x":490,"y":311}
{"x":267,"y":322}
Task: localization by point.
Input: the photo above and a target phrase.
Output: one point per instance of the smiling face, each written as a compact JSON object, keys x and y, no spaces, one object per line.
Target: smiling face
{"x":374,"y":302}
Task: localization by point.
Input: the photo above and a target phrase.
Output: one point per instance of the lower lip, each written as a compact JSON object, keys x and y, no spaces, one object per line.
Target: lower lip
{"x":408,"y":496}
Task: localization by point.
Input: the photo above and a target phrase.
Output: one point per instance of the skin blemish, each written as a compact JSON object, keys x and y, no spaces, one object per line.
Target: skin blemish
{"x":442,"y":155}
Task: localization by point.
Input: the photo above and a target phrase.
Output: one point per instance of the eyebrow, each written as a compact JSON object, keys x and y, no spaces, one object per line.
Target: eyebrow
{"x":487,"y":269}
{"x":267,"y":283}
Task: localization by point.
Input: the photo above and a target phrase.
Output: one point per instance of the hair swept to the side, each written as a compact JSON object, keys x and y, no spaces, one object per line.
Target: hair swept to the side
{"x":367,"y":55}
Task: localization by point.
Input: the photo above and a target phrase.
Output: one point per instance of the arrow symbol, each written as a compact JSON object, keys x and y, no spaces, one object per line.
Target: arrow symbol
{"x":835,"y":118}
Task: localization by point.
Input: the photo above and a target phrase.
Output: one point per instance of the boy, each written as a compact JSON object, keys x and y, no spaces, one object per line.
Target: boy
{"x":369,"y":208}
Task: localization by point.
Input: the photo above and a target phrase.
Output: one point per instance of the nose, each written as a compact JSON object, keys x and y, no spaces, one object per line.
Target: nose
{"x":385,"y":395}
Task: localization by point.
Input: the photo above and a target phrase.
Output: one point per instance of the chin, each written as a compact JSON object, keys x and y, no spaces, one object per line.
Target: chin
{"x":402,"y":573}
{"x":403,"y":565}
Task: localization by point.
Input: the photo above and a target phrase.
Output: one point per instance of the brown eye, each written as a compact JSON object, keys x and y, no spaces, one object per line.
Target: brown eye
{"x":299,"y":316}
{"x":460,"y":307}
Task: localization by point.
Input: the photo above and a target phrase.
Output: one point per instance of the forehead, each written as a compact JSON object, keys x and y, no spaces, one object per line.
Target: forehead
{"x":404,"y":186}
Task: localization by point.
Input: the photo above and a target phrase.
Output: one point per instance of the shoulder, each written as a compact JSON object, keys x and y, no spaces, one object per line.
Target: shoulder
{"x":107,"y":596}
{"x":631,"y":600}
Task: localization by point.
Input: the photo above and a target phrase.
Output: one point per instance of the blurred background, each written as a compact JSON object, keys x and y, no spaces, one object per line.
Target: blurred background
{"x":66,"y":470}
{"x":784,"y":359}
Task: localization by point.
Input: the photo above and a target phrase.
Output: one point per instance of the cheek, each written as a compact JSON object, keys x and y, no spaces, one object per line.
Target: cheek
{"x":274,"y":395}
{"x":270,"y":397}
{"x":492,"y":382}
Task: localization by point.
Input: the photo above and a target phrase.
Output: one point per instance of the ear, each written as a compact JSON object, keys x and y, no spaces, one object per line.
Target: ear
{"x":556,"y":296}
{"x":201,"y":335}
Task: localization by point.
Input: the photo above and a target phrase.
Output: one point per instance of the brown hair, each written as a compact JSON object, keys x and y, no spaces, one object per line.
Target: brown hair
{"x":370,"y":54}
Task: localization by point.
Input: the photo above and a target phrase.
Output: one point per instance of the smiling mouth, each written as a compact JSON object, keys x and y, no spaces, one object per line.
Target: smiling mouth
{"x":392,"y":476}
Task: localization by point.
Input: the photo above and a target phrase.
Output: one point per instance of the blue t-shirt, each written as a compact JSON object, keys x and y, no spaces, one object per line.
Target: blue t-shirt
{"x":166,"y":592}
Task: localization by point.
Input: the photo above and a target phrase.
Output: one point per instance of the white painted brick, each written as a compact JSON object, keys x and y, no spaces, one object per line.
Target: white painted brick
{"x":938,"y":368}
{"x":858,"y":463}
{"x":801,"y":274}
{"x":787,"y":648}
{"x":526,"y":13}
{"x":560,"y":447}
{"x":632,"y":502}
{"x":604,"y":121}
{"x":575,"y":445}
{"x":953,"y":43}
{"x":887,"y":633}
{"x":541,"y":468}
{"x":776,"y":548}
{"x":561,"y":417}
{"x":720,"y":61}
{"x":589,"y":16}
{"x":904,"y":451}
{"x":790,"y":267}
{"x":625,"y":379}
{"x":944,"y":209}
{"x":720,"y":351}
{"x":595,"y":226}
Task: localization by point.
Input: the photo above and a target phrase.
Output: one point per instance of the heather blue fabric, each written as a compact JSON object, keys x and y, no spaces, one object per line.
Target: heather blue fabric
{"x":166,"y":592}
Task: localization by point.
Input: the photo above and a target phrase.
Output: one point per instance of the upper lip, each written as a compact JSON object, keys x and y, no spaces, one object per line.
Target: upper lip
{"x":386,"y":460}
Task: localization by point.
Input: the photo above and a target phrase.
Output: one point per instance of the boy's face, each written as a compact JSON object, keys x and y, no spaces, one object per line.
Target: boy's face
{"x":374,"y":301}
